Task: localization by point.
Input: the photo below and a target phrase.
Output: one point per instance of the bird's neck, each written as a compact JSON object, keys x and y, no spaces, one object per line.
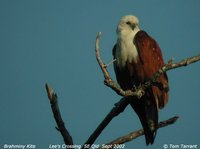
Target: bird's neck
{"x":126,"y":49}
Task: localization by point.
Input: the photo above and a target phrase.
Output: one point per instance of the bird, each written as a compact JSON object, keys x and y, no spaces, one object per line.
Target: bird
{"x":137,"y":58}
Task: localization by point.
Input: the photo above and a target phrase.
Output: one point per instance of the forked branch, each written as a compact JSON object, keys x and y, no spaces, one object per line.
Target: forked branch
{"x":138,"y":92}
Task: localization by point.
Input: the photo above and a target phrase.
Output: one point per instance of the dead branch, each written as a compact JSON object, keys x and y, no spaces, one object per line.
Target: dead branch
{"x":56,"y":112}
{"x":133,"y":135}
{"x":138,"y":92}
{"x":170,"y":66}
{"x":116,"y":110}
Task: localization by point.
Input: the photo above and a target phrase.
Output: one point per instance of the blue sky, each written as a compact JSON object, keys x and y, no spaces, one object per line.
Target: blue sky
{"x":53,"y":42}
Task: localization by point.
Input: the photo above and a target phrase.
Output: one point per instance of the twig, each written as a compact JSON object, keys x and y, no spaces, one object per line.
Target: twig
{"x":133,"y":135}
{"x":56,"y":112}
{"x":106,"y":65}
{"x":116,"y":110}
{"x":140,"y":90}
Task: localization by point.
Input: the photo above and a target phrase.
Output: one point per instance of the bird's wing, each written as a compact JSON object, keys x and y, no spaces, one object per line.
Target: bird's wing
{"x":151,"y":58}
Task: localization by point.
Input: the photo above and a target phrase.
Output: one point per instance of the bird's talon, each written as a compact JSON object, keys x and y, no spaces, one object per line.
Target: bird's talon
{"x":140,"y":93}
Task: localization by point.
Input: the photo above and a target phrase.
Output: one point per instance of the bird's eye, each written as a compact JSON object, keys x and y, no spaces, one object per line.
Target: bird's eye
{"x":131,"y":25}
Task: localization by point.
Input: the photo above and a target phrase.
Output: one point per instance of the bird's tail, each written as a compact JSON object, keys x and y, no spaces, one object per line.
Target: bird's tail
{"x":147,"y":111}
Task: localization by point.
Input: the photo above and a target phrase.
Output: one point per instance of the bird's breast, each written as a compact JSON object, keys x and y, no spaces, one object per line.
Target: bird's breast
{"x":126,"y":52}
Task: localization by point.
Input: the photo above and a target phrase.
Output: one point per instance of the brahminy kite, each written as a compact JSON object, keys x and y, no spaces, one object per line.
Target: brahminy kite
{"x":138,"y":58}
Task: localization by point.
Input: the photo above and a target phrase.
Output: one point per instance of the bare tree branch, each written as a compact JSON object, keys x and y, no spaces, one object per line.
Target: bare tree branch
{"x":138,"y":92}
{"x":133,"y":135}
{"x":56,"y":112}
{"x":116,"y":110}
{"x":170,"y":66}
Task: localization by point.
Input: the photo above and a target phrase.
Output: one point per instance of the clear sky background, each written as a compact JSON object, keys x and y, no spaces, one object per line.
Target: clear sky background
{"x":53,"y":42}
